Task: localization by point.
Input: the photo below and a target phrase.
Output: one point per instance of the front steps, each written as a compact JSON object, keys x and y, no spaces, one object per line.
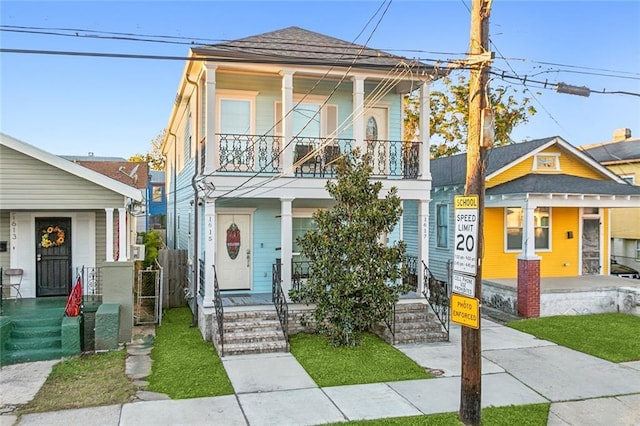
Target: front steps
{"x":33,"y":337}
{"x":252,"y":332}
{"x":414,"y":323}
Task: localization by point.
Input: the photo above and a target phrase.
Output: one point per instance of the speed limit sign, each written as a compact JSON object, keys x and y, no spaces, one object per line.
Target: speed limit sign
{"x":465,"y":257}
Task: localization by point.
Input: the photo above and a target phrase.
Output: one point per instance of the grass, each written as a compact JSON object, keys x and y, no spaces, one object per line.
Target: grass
{"x":372,"y":362}
{"x":184,"y":365}
{"x":611,"y":336}
{"x":521,"y":415}
{"x":84,"y":381}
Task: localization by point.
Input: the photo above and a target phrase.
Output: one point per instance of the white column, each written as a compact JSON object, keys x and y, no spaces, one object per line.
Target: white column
{"x":212,"y":148}
{"x":287,"y":123}
{"x":286,"y":237}
{"x":425,"y":118}
{"x":209,"y":245}
{"x":122,"y":234}
{"x":358,"y":112}
{"x":528,"y":233}
{"x":109,"y":222}
{"x":423,"y":241}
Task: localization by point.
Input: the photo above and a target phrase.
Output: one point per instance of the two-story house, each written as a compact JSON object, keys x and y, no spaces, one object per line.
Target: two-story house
{"x":255,"y":131}
{"x":622,"y":156}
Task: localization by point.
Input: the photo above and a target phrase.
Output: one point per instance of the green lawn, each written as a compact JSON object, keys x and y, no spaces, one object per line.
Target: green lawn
{"x":371,"y":362}
{"x":614,"y":337}
{"x":184,"y":365}
{"x":521,"y":415}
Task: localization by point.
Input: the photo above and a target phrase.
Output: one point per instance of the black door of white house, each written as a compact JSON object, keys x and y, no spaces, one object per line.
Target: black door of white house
{"x":53,"y":256}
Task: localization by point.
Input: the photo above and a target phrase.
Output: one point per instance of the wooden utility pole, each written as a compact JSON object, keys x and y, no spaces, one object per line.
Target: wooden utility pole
{"x":478,"y":141}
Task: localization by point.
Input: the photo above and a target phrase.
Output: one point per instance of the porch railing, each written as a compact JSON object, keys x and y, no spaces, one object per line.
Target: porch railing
{"x":318,"y":157}
{"x":300,"y":272}
{"x":411,"y":278}
{"x":394,"y":158}
{"x":201,"y":278}
{"x":217,"y":302}
{"x":437,"y":293}
{"x":249,"y":153}
{"x":91,"y":285}
{"x":279,"y":299}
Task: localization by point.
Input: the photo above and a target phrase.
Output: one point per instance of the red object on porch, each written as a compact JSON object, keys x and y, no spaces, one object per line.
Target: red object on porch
{"x":74,"y":303}
{"x":529,"y":288}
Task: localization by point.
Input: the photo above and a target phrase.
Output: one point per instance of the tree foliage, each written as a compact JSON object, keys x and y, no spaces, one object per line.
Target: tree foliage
{"x":153,"y":157}
{"x":355,"y":278}
{"x":449,"y":124}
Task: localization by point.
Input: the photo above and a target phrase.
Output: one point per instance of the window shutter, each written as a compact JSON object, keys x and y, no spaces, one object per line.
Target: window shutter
{"x":278,"y":119}
{"x":332,"y":121}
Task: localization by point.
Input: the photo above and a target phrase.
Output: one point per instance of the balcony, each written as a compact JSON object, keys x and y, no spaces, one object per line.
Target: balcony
{"x":314,"y":157}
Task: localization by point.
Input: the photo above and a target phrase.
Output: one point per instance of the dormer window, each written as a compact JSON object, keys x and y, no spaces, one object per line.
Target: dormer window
{"x":546,"y":162}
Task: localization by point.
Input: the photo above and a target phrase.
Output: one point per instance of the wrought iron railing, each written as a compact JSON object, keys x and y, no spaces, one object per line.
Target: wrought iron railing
{"x":91,"y":284}
{"x":437,"y":293}
{"x":394,"y":158}
{"x":217,"y":302}
{"x":201,"y":277}
{"x":411,"y":277}
{"x":318,"y":157}
{"x":279,"y":299}
{"x":249,"y":153}
{"x":300,"y":272}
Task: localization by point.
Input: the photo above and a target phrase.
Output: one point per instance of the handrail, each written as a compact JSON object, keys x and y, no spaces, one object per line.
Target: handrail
{"x":217,"y":302}
{"x":437,"y":294}
{"x":280,"y":301}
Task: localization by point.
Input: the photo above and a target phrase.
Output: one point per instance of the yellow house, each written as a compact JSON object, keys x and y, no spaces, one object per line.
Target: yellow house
{"x":622,"y":156}
{"x":547,"y":213}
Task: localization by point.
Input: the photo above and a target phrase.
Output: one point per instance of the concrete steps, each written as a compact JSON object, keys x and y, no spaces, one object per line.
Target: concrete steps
{"x":36,"y":337}
{"x":250,"y":332}
{"x":414,"y":323}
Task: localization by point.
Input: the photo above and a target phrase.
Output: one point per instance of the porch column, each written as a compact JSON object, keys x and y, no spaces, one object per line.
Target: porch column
{"x":286,"y":237}
{"x":423,"y":241}
{"x":212,"y":149}
{"x":286,"y":150}
{"x":528,"y":267}
{"x":358,"y":112}
{"x":425,"y":118}
{"x":122,"y":234}
{"x":109,"y":231}
{"x":209,"y":247}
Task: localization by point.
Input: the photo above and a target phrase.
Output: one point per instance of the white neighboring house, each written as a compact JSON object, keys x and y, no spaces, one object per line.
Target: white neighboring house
{"x":57,"y":216}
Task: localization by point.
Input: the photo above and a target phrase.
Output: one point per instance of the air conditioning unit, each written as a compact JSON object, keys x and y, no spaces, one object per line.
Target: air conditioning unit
{"x":137,"y":252}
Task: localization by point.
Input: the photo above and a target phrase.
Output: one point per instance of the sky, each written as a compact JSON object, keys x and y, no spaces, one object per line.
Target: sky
{"x":73,"y":105}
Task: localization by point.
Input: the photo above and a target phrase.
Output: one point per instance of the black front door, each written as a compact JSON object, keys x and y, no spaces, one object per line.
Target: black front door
{"x":53,"y":256}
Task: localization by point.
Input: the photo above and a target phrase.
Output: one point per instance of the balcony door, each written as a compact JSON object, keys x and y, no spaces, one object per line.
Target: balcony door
{"x":235,"y":134}
{"x":376,"y":136}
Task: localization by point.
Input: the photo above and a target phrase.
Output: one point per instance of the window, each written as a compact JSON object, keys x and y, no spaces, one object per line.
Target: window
{"x":300,"y":226}
{"x":638,"y":250}
{"x":629,"y":179}
{"x":442,"y":225}
{"x":546,"y":162}
{"x":514,"y":223}
{"x":310,"y":119}
{"x":156,"y":194}
{"x":187,"y":136}
{"x":235,"y":116}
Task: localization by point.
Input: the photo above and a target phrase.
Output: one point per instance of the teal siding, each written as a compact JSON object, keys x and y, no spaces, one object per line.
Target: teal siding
{"x":184,"y":210}
{"x":266,"y":243}
{"x":438,"y":257}
{"x":410,"y":226}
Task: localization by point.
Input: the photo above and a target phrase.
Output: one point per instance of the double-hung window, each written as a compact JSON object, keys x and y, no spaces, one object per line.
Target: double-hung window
{"x":514,"y":220}
{"x":442,"y":225}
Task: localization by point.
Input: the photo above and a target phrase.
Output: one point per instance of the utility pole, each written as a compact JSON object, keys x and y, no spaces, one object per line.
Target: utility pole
{"x":480,"y":117}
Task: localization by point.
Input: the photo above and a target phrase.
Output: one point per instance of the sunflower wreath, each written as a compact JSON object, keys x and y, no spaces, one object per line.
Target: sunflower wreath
{"x":53,"y":236}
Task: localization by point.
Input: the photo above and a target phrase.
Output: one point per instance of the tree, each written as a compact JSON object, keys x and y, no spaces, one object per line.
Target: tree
{"x":154,"y":157}
{"x":355,"y":278}
{"x":450,"y":111}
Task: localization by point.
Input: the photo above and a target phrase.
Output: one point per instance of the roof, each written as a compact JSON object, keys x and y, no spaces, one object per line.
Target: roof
{"x":68,"y":166}
{"x":562,"y":184}
{"x":90,"y":157}
{"x":294,"y":45}
{"x":452,"y":170}
{"x":128,"y":172}
{"x":616,"y":152}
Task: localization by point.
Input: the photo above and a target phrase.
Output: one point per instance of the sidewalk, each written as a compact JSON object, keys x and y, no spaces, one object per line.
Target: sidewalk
{"x":273,"y":389}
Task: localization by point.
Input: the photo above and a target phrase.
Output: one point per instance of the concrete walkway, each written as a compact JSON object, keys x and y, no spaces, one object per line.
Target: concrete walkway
{"x":273,"y":389}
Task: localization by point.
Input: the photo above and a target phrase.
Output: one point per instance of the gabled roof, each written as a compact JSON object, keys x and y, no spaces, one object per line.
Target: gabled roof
{"x":68,"y":166}
{"x":297,"y":46}
{"x":451,"y":171}
{"x":616,"y":152}
{"x":562,"y":184}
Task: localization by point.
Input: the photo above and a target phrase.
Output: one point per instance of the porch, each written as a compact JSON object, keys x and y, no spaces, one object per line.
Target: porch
{"x":586,"y":294}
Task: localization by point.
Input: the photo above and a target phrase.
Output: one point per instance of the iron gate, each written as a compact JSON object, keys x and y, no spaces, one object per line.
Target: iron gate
{"x":148,"y":296}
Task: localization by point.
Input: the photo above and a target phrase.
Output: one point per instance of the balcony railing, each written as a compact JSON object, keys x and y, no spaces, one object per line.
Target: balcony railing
{"x":314,"y":156}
